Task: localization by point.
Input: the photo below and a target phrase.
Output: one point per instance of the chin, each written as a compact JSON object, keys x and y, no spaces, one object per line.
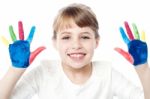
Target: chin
{"x":77,"y":65}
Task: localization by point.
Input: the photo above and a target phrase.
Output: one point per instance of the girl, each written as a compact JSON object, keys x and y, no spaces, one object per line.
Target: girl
{"x":76,"y":76}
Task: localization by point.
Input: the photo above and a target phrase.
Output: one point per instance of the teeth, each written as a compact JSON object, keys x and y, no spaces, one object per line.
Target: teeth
{"x":76,"y":55}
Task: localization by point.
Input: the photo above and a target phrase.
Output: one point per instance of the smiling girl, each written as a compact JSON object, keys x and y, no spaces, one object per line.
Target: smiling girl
{"x":76,"y":76}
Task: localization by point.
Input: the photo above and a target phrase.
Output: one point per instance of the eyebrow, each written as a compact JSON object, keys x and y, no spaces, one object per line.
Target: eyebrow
{"x":65,"y":32}
{"x":86,"y":33}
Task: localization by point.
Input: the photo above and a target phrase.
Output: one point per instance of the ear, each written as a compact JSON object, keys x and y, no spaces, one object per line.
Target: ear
{"x":97,"y":42}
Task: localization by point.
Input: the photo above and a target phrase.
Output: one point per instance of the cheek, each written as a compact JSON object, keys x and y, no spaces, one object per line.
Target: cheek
{"x":62,"y":46}
{"x":91,"y":44}
{"x":90,"y":47}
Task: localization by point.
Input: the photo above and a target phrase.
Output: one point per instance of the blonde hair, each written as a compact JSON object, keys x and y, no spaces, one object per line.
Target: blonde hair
{"x":81,"y":14}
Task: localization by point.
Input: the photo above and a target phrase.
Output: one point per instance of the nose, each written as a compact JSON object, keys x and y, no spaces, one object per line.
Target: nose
{"x":76,"y":44}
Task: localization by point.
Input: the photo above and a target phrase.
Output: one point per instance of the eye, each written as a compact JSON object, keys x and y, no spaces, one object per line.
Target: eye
{"x":65,"y":37}
{"x":85,"y":37}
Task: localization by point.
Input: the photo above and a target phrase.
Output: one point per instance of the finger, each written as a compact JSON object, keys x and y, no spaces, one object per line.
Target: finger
{"x":31,"y":34}
{"x":21,"y":31}
{"x":35,"y":53}
{"x":125,"y":54}
{"x":129,"y":32}
{"x":124,"y":36}
{"x":135,"y":30}
{"x":143,"y":38}
{"x":5,"y":41}
{"x":12,"y":34}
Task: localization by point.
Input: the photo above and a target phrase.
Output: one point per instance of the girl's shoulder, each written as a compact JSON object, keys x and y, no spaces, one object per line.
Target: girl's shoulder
{"x":102,"y":68}
{"x":102,"y":64}
{"x":49,"y":65}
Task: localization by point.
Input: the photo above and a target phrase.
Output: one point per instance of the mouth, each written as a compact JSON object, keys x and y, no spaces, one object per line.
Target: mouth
{"x":77,"y":56}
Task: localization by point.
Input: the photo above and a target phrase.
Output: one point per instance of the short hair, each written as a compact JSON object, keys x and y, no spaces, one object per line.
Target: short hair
{"x":81,"y":14}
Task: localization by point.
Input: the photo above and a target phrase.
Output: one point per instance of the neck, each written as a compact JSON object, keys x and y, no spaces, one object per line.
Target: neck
{"x":78,"y":75}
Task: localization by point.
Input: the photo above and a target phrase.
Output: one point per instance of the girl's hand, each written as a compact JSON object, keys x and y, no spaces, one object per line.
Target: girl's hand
{"x":19,"y":50}
{"x":137,"y":48}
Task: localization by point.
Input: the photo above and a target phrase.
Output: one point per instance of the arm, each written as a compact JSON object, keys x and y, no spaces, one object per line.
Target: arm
{"x":8,"y":82}
{"x":21,"y":58}
{"x":137,"y":55}
{"x":143,"y":72}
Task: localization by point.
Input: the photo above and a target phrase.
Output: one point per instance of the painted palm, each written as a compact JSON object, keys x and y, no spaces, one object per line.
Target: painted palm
{"x":137,"y":48}
{"x":19,"y":50}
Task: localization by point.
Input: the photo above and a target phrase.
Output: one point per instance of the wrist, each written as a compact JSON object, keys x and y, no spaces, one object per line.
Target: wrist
{"x":16,"y":72}
{"x":142,"y":66}
{"x":142,"y":69}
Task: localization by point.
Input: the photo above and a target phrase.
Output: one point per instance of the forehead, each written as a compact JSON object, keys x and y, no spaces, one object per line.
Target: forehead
{"x":72,"y":27}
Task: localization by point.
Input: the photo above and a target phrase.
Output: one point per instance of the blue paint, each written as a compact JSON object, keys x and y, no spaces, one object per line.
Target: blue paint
{"x":31,"y":34}
{"x":139,"y":51}
{"x":124,"y":36}
{"x":20,"y":53}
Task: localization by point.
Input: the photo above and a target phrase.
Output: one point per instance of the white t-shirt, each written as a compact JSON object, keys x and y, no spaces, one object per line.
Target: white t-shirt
{"x":49,"y":81}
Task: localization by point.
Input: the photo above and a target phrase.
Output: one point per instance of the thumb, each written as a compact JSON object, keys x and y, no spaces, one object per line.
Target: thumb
{"x":35,"y":53}
{"x":125,"y":54}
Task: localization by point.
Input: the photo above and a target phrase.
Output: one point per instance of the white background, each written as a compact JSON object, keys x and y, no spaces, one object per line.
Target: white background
{"x":110,"y":13}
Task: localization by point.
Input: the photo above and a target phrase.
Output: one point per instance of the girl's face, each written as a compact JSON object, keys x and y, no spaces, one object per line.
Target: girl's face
{"x":76,"y":46}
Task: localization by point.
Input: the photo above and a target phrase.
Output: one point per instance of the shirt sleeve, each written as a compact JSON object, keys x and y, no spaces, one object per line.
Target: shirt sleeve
{"x":28,"y":85}
{"x":124,"y":89}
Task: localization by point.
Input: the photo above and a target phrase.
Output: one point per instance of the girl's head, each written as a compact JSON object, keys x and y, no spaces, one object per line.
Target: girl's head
{"x":80,"y":14}
{"x":76,"y":35}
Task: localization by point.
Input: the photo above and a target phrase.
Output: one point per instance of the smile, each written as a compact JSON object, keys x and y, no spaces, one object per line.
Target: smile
{"x":76,"y":56}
